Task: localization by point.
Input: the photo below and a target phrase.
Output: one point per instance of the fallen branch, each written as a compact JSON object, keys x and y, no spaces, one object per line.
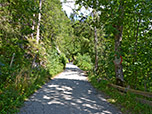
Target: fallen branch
{"x":146,"y":94}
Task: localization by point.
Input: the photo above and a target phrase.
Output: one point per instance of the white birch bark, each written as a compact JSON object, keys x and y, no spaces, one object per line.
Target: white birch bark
{"x":33,"y":27}
{"x":39,"y":20}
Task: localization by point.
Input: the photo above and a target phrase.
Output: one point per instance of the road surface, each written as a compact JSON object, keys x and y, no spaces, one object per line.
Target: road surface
{"x":68,"y":93}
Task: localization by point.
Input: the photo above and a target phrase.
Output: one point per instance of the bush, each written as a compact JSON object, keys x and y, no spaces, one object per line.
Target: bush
{"x":63,"y":59}
{"x":125,"y":101}
{"x":56,"y":62}
{"x":84,"y":62}
{"x":13,"y":92}
{"x":23,"y":78}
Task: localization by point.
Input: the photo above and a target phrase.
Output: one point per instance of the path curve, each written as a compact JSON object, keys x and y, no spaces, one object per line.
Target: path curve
{"x":68,"y":93}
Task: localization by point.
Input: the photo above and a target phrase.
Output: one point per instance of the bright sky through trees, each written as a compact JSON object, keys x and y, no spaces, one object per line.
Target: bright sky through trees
{"x":69,"y":5}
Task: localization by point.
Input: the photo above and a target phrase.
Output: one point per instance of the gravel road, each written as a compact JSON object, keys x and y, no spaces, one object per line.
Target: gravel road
{"x":68,"y":93}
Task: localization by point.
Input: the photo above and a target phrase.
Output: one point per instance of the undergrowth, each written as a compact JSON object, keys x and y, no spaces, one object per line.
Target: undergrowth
{"x":84,"y":62}
{"x":126,"y":102}
{"x":17,"y":83}
{"x":14,"y":92}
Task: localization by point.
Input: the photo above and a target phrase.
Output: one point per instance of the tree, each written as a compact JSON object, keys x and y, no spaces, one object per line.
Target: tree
{"x":39,"y":21}
{"x":123,"y":19}
{"x":116,"y":27}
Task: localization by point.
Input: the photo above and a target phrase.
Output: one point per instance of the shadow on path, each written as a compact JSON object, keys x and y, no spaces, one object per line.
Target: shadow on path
{"x":68,"y":93}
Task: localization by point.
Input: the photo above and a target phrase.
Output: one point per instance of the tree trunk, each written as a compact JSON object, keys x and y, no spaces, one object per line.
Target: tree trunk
{"x":95,"y":41}
{"x":39,"y":20}
{"x":118,"y":67}
{"x":96,"y":49}
{"x":118,"y":39}
{"x":34,"y":61}
{"x":32,"y":35}
{"x":57,"y":48}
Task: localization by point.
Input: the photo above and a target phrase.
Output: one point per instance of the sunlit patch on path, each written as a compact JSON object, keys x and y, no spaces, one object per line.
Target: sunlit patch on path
{"x":68,"y":93}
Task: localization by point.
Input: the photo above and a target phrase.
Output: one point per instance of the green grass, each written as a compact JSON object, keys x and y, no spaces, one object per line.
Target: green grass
{"x":14,"y":93}
{"x":125,"y":102}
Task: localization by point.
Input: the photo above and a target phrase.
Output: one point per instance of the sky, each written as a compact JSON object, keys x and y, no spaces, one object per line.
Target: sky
{"x":71,"y":5}
{"x":68,"y":7}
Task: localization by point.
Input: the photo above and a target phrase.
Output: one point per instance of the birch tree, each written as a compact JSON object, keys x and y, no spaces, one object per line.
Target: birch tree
{"x":39,"y":22}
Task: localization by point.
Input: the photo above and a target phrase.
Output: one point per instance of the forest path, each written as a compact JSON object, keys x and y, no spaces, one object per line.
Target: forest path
{"x":68,"y":93}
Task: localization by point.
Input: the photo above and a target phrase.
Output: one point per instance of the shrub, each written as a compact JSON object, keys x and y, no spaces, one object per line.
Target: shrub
{"x":84,"y":62}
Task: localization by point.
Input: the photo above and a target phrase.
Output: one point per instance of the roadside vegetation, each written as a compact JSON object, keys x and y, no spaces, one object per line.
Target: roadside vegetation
{"x":32,"y":40}
{"x":126,"y":101}
{"x":113,"y":44}
{"x":116,"y":39}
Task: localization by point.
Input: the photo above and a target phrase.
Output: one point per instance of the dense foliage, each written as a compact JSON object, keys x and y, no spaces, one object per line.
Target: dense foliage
{"x":127,"y":103}
{"x":117,"y":29}
{"x":33,"y":39}
{"x":123,"y":29}
{"x":37,"y":37}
